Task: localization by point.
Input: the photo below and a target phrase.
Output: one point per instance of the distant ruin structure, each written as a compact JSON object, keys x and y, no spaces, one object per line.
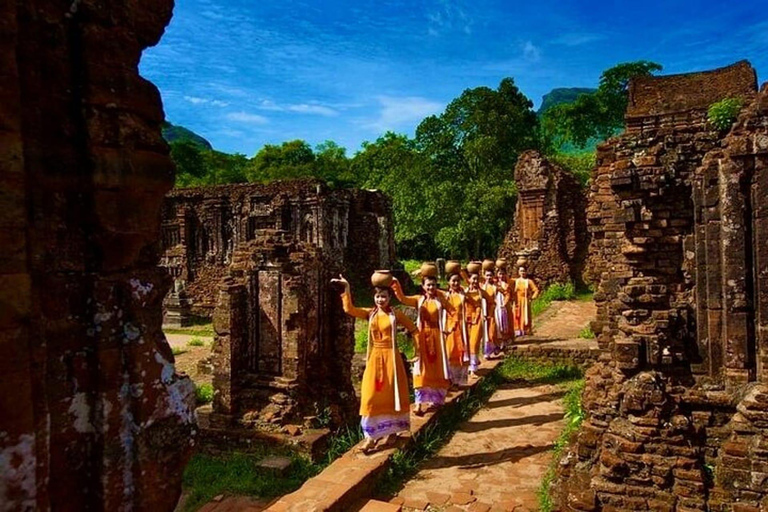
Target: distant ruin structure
{"x":259,"y":259}
{"x":203,"y":227}
{"x":92,"y":413}
{"x":677,"y":411}
{"x":550,"y":226}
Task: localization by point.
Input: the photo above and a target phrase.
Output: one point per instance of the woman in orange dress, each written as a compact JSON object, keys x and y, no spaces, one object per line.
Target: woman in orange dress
{"x":491,"y":348}
{"x":384,"y":397}
{"x":431,"y":377}
{"x":525,"y":292}
{"x":456,"y":335}
{"x":476,"y":302}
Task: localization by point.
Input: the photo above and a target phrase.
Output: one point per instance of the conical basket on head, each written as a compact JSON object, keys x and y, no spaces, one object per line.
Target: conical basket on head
{"x":452,"y":267}
{"x":382,"y":279}
{"x":474,"y":267}
{"x":488,"y":265}
{"x":428,"y":269}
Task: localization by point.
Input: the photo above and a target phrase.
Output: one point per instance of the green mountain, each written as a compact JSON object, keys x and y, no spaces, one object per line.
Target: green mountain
{"x":173,"y":133}
{"x":562,"y":95}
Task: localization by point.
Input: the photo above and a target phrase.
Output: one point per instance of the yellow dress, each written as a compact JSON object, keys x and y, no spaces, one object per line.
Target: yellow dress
{"x":384,"y":400}
{"x":525,"y":290}
{"x":456,"y":338}
{"x":431,"y":375}
{"x":476,"y":305}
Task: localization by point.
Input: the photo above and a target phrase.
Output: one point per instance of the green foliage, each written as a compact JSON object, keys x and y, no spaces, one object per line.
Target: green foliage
{"x":586,"y":333}
{"x":598,"y":115}
{"x":361,"y":335}
{"x":196,"y":342}
{"x":205,"y":330}
{"x":579,"y":164}
{"x":173,"y":133}
{"x":723,"y":113}
{"x":556,"y":291}
{"x":204,"y":393}
{"x":197,"y":166}
{"x":206,"y":476}
{"x":177,"y":351}
{"x":562,"y":95}
{"x":574,"y":415}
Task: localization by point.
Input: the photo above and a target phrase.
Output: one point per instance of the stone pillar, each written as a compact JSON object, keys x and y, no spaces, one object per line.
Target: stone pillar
{"x":229,"y":348}
{"x":92,"y":414}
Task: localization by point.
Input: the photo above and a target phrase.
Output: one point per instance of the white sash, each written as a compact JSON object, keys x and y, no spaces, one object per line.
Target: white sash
{"x":393,"y":323}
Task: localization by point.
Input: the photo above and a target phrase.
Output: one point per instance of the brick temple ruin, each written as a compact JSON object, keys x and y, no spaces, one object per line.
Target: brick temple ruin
{"x":259,"y":259}
{"x":204,"y":227}
{"x":677,"y":410}
{"x":549,"y":229}
{"x":92,"y":414}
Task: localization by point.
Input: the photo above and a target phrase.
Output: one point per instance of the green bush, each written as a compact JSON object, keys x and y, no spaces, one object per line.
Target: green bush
{"x":586,"y":333}
{"x":204,"y":394}
{"x":555,"y":291}
{"x":196,"y":342}
{"x":177,"y":351}
{"x":723,"y":113}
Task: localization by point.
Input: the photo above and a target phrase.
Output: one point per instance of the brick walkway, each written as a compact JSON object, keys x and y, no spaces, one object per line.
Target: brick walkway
{"x":496,"y":460}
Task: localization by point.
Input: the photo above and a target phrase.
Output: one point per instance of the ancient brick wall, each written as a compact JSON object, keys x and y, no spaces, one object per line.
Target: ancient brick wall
{"x":284,"y":347}
{"x":677,"y":410}
{"x":549,"y":228}
{"x":92,"y":415}
{"x":203,"y":227}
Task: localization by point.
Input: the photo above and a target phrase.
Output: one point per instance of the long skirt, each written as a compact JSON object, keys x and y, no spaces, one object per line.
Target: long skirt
{"x":458,"y":360}
{"x":430,"y":384}
{"x":475,"y":345}
{"x":377,"y":396}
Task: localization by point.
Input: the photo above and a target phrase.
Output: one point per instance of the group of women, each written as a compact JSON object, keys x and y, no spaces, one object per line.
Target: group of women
{"x":454,"y":329}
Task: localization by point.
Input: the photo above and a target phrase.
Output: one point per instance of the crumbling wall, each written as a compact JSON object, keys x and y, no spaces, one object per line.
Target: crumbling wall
{"x":283,"y":348}
{"x":92,"y":415}
{"x":204,"y":226}
{"x":549,"y":228}
{"x":676,"y":410}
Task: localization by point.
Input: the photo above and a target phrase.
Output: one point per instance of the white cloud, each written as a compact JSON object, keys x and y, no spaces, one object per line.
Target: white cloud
{"x":245,"y":117}
{"x":577,"y":39}
{"x":531,"y":52}
{"x":205,"y":101}
{"x":399,"y":112}
{"x":301,"y":108}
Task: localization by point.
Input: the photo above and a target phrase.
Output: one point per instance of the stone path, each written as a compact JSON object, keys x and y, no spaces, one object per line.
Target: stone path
{"x":496,"y":460}
{"x":564,"y":320}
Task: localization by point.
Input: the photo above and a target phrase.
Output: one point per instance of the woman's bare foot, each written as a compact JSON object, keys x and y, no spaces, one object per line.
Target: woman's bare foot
{"x":368,"y":445}
{"x":472,"y":375}
{"x":390,"y":440}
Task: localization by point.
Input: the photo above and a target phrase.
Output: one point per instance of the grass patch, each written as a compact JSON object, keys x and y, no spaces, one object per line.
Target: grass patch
{"x":204,"y":394}
{"x":196,"y":342}
{"x":574,"y":415}
{"x":515,"y":369}
{"x":177,"y":351}
{"x":199,"y":329}
{"x":361,"y":335}
{"x":556,"y":291}
{"x":586,"y":333}
{"x":207,"y":476}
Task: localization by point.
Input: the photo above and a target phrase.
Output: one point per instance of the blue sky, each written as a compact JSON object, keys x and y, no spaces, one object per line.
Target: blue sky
{"x":245,"y":73}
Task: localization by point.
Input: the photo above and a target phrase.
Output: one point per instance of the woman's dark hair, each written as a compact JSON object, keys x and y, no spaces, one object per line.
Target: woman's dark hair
{"x":377,"y":289}
{"x":427,"y":278}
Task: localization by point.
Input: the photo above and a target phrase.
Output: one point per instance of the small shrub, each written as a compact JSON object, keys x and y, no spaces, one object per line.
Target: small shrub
{"x":586,"y":333}
{"x":196,"y":342}
{"x":361,"y":336}
{"x":723,"y":113}
{"x":204,"y":394}
{"x":177,"y":351}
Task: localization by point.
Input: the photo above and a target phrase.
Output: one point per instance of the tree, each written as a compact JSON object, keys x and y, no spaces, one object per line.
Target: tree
{"x":294,"y":159}
{"x":594,"y":116}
